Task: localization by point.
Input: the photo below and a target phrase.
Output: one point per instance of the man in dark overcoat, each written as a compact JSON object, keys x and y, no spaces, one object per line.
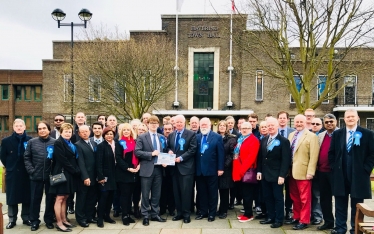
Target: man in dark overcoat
{"x":17,"y":179}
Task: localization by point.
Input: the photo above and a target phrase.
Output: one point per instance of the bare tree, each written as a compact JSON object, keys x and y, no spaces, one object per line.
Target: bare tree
{"x":125,"y":76}
{"x":295,"y":41}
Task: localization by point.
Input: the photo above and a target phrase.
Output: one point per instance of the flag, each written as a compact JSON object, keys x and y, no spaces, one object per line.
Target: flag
{"x":233,"y":5}
{"x":179,"y":5}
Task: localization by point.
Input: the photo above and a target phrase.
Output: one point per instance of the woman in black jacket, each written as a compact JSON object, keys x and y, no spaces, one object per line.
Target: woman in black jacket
{"x":225,"y":181}
{"x":127,"y":171}
{"x":105,"y":154}
{"x":64,"y":161}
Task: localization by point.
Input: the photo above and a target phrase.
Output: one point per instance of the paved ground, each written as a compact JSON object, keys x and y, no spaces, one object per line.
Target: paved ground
{"x":224,"y":226}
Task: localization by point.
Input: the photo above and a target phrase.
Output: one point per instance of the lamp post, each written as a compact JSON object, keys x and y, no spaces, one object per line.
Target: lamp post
{"x":85,"y":15}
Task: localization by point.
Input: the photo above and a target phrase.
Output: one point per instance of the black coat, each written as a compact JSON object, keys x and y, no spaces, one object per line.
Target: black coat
{"x":87,"y":161}
{"x":123,"y":163}
{"x":106,"y":165}
{"x":362,"y":163}
{"x":64,"y":159}
{"x":225,"y":181}
{"x":17,"y":178}
{"x":275,"y":163}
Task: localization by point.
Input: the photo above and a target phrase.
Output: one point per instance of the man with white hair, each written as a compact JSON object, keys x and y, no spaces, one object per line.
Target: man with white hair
{"x":209,"y":165}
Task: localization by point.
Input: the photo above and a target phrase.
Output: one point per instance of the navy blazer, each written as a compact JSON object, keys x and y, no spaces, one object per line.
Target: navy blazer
{"x":213,"y":159}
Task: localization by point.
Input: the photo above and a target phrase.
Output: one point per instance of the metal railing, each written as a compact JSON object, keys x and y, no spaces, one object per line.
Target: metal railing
{"x":351,"y":100}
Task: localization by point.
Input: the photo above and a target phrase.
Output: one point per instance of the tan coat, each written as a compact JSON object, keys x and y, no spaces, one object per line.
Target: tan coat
{"x":306,"y":155}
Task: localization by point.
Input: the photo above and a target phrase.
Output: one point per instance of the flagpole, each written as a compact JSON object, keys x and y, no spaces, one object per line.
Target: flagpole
{"x":176,"y":68}
{"x":230,"y":68}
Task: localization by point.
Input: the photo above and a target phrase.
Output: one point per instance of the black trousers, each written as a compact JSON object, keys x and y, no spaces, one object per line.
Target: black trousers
{"x":287,"y":201}
{"x":37,"y":188}
{"x":207,"y":188}
{"x":167,"y":195}
{"x":273,"y":196}
{"x":127,"y":190}
{"x":224,"y":200}
{"x":341,"y":213}
{"x":105,"y":203}
{"x":248,"y":191}
{"x":325,"y":184}
{"x":86,"y":198}
{"x":236,"y":192}
{"x":136,"y":194}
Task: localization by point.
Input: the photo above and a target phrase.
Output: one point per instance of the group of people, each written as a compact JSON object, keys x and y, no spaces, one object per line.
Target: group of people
{"x":109,"y":165}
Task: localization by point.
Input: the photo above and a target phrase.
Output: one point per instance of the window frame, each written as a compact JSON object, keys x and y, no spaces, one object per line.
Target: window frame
{"x":36,"y":122}
{"x":41,"y":91}
{"x":291,"y":99}
{"x":2,"y":91}
{"x":93,"y":80}
{"x":24,"y":92}
{"x":318,"y":92}
{"x":261,"y":73}
{"x":355,"y":86}
{"x":25,"y":118}
{"x":16,"y":92}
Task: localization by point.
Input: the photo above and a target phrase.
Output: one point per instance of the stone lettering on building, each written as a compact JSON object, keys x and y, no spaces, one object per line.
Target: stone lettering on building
{"x":203,"y":31}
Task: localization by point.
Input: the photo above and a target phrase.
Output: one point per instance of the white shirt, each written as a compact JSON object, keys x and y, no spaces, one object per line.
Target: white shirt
{"x":157,"y":140}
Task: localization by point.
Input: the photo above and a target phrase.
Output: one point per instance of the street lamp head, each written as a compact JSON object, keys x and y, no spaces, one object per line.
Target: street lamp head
{"x":85,"y":14}
{"x":58,"y":14}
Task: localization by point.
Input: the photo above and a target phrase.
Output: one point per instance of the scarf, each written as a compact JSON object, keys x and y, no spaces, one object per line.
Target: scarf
{"x":72,"y":147}
{"x":130,"y":144}
{"x":20,"y":139}
{"x":240,"y":141}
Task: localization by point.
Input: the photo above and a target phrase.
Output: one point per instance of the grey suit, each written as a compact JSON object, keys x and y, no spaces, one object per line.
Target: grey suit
{"x":150,"y":174}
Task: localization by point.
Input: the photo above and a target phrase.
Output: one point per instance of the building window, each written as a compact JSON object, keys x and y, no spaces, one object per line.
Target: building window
{"x":6,"y":123}
{"x":28,"y":123}
{"x":341,"y":123}
{"x":259,"y":85}
{"x":203,"y":76}
{"x":119,"y":92}
{"x":370,"y":123}
{"x":298,"y":81}
{"x":18,"y":93}
{"x":37,"y":119}
{"x":27,"y":93}
{"x":350,"y":89}
{"x":38,"y":93}
{"x":94,"y":89}
{"x":291,"y":123}
{"x":69,"y":88}
{"x":321,"y":85}
{"x":5,"y":92}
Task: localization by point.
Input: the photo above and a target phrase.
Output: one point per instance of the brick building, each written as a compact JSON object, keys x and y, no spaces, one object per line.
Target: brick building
{"x":204,"y":46}
{"x":21,"y":97}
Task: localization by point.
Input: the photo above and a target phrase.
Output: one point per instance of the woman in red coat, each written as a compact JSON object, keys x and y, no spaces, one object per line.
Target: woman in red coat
{"x":245,"y":157}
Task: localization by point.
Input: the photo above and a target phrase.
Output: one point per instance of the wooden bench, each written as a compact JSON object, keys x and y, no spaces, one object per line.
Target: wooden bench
{"x":361,"y":226}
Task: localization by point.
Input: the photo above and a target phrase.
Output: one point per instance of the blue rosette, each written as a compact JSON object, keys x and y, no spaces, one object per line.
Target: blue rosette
{"x":50,"y":149}
{"x":357,"y":136}
{"x":181,"y":143}
{"x":123,"y":144}
{"x":205,"y":147}
{"x":162,"y":142}
{"x":25,"y":145}
{"x":276,"y":142}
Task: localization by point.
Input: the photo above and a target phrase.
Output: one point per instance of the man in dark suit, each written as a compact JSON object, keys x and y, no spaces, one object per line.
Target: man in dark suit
{"x":351,"y":158}
{"x":182,"y":142}
{"x":87,"y":189}
{"x":230,"y":124}
{"x":209,"y":165}
{"x":148,"y":147}
{"x":273,"y":162}
{"x":284,"y":130}
{"x":58,"y":121}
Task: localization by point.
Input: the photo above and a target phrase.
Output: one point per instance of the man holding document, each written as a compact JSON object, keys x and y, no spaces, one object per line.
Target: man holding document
{"x":148,"y":147}
{"x":182,"y":143}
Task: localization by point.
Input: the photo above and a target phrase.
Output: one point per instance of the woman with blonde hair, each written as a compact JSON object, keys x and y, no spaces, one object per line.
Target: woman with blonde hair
{"x":142,"y":128}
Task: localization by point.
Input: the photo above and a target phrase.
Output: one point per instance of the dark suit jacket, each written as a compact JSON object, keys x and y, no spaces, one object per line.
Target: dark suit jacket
{"x":213,"y":159}
{"x":187,"y":166}
{"x":53,"y":133}
{"x":236,"y":133}
{"x":87,"y":160}
{"x":275,"y":163}
{"x":105,"y":163}
{"x":124,"y":162}
{"x":143,"y":150}
{"x":362,"y":163}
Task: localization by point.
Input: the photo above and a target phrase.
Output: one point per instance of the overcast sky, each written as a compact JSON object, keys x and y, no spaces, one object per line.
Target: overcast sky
{"x":27,"y":28}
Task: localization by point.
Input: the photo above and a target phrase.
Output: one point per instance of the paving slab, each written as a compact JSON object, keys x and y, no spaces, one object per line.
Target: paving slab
{"x":263,"y":231}
{"x":181,"y":231}
{"x":217,"y":224}
{"x":223,"y":231}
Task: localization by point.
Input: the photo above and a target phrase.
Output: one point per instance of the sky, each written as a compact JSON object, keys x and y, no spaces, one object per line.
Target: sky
{"x":27,"y":28}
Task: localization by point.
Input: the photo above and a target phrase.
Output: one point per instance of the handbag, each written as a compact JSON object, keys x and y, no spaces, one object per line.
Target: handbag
{"x":250,"y":176}
{"x":57,"y":179}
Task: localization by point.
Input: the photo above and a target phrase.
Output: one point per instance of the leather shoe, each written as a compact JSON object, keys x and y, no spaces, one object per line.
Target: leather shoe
{"x":27,"y":222}
{"x":109,"y":220}
{"x":83,"y":224}
{"x":200,"y":216}
{"x":176,"y":218}
{"x":231,"y":207}
{"x":261,"y":216}
{"x":34,"y":227}
{"x":115,"y":213}
{"x":335,"y":232}
{"x":145,"y":222}
{"x":325,"y":227}
{"x":10,"y":225}
{"x":100,"y":223}
{"x":276,"y":225}
{"x":50,"y":225}
{"x":130,"y":219}
{"x":292,"y":221}
{"x":288,"y":216}
{"x":300,"y":226}
{"x":91,"y":221}
{"x":158,"y":219}
{"x":187,"y":220}
{"x":125,"y":221}
{"x":223,"y":216}
{"x":316,"y":222}
{"x":267,"y":221}
{"x":211,"y":218}
{"x":171,"y":213}
{"x":68,"y":225}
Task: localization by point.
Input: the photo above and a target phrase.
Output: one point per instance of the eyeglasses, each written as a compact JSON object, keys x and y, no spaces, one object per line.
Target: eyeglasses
{"x":316,"y":124}
{"x":329,"y":122}
{"x":59,"y":120}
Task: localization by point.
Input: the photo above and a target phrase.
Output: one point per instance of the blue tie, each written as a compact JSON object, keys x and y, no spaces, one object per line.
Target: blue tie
{"x":350,"y":141}
{"x":282,"y":132}
{"x":154,"y":143}
{"x":204,"y":142}
{"x":177,"y":140}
